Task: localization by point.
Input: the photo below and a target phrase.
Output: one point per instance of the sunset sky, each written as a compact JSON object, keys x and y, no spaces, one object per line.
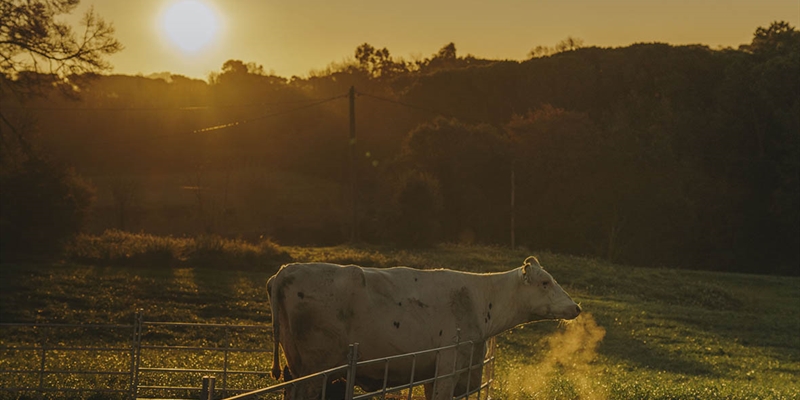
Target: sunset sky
{"x":294,"y":37}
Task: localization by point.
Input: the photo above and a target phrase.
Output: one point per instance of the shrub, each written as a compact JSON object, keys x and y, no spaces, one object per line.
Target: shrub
{"x":42,"y":206}
{"x":418,"y":202}
{"x":220,"y":253}
{"x":115,"y":247}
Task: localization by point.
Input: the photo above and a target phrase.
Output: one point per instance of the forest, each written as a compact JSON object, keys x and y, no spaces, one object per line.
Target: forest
{"x":650,"y":154}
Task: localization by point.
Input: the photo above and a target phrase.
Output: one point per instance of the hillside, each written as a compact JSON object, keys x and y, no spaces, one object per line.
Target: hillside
{"x":650,"y":154}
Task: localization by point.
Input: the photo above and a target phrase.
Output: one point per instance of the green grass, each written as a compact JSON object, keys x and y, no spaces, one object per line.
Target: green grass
{"x":645,"y":333}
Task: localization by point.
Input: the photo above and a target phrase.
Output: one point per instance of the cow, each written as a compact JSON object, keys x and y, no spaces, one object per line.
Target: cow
{"x":318,"y":309}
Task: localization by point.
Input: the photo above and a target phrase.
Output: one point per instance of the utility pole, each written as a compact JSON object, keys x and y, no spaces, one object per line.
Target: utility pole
{"x":513,"y":195}
{"x":353,"y":176}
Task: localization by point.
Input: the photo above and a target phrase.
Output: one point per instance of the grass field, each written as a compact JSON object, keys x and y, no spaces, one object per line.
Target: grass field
{"x":645,"y":333}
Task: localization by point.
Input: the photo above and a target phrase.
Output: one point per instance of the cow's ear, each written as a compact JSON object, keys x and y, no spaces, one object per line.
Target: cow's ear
{"x":532,"y":260}
{"x":527,"y":267}
{"x":526,"y":273}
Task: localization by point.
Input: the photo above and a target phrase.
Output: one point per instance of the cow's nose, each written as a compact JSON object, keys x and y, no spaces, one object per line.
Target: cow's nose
{"x":578,"y":309}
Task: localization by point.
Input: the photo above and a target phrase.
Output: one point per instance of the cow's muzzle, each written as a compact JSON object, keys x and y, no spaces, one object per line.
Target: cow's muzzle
{"x":572,"y":313}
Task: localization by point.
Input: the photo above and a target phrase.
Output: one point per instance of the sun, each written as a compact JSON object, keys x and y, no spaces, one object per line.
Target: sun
{"x":190,"y":24}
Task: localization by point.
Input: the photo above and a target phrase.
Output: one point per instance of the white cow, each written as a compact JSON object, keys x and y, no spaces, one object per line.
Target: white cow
{"x":319,"y":309}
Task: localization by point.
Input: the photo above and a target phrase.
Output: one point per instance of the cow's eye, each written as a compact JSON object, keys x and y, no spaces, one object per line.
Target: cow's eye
{"x":546,"y":284}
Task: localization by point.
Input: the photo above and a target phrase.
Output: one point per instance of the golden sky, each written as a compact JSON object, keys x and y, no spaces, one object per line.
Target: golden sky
{"x":292,"y":37}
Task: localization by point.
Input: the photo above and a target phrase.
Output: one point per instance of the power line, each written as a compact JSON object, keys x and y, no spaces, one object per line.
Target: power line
{"x":167,"y":108}
{"x":316,"y":102}
{"x":235,"y":123}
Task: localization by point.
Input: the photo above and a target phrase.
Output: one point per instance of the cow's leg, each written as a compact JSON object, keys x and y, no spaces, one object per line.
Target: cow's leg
{"x":307,"y":389}
{"x":304,"y":391}
{"x":336,"y":390}
{"x":442,"y":391}
{"x":442,"y":387}
{"x":428,"y":391}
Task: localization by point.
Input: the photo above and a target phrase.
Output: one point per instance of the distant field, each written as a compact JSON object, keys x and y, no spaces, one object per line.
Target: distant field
{"x":645,"y":333}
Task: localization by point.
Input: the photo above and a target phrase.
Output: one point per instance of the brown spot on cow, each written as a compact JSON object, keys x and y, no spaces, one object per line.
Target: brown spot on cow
{"x":345,"y":315}
{"x":302,"y":321}
{"x":417,"y":303}
{"x":281,"y":289}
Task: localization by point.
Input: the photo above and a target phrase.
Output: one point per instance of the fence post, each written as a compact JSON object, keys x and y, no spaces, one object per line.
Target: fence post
{"x":136,"y":352}
{"x":411,"y":383}
{"x":455,"y":362}
{"x":43,"y":344}
{"x":225,"y":362}
{"x":352,"y":359}
{"x":490,"y":379}
{"x":469,"y":368}
{"x":207,"y":391}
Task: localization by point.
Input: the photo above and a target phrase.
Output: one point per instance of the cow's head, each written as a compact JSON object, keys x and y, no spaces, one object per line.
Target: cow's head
{"x":542,"y":297}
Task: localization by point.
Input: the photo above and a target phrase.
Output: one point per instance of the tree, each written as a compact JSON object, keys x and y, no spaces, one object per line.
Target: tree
{"x":417,"y":206}
{"x":31,"y":39}
{"x":378,"y":62}
{"x":777,"y":39}
{"x":560,"y":187}
{"x":43,"y":202}
{"x":240,"y":80}
{"x":445,"y":58}
{"x":469,"y":164}
{"x":772,"y":112}
{"x":37,"y":52}
{"x":568,"y":44}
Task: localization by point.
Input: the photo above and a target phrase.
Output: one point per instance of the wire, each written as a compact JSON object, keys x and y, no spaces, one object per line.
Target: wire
{"x":185,"y":108}
{"x":229,"y":124}
{"x":235,"y":123}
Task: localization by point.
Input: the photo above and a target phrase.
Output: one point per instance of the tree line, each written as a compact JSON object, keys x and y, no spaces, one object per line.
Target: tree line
{"x":649,"y":154}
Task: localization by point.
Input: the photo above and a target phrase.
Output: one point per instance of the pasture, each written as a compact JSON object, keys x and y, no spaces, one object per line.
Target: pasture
{"x":645,"y":333}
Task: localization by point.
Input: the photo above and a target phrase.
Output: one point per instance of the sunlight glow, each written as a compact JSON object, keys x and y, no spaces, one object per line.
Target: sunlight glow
{"x":190,"y":24}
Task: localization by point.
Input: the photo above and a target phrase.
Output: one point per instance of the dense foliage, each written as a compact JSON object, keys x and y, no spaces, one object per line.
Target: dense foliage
{"x":649,"y":154}
{"x":42,"y":205}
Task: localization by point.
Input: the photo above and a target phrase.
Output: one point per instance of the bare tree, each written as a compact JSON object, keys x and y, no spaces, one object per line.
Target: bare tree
{"x":38,"y":52}
{"x":33,"y":40}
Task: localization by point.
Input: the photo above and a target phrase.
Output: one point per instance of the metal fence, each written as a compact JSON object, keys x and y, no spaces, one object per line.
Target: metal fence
{"x":36,"y":360}
{"x":44,"y":360}
{"x":479,"y":390}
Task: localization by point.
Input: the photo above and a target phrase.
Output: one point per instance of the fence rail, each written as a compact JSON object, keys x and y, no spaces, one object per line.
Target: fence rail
{"x":50,"y":365}
{"x":46,"y":359}
{"x":486,"y":365}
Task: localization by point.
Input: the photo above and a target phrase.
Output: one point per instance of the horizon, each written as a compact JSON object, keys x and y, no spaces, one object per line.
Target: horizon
{"x":300,"y":39}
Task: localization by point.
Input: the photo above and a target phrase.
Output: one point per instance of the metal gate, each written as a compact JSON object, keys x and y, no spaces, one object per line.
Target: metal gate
{"x":43,"y":360}
{"x":480,"y":390}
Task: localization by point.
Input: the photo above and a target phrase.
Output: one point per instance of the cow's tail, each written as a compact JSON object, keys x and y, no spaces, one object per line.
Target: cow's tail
{"x":276,"y":335}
